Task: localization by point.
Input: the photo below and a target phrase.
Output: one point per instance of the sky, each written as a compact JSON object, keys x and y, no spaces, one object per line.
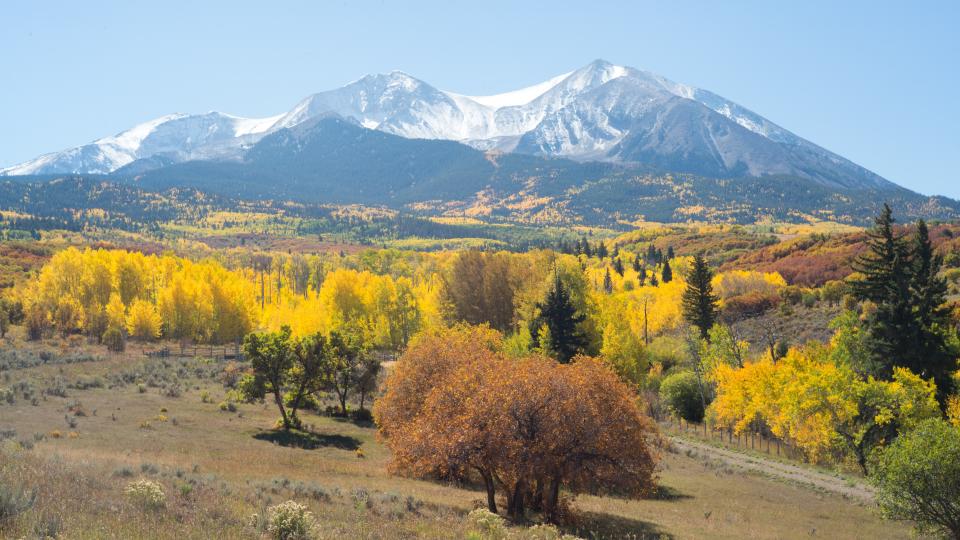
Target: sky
{"x":876,"y":82}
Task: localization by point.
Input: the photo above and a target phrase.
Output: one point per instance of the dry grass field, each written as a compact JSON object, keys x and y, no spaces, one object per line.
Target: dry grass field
{"x":86,"y":429}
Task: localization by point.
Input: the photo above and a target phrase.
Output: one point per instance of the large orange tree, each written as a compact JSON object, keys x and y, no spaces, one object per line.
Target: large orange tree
{"x":527,"y":428}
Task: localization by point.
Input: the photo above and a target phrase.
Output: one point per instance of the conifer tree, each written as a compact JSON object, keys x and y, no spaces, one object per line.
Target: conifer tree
{"x":587,"y":250}
{"x":607,"y":282}
{"x":669,"y":252}
{"x":636,"y":264}
{"x":653,"y":278}
{"x":699,"y":301}
{"x":886,"y":269}
{"x":933,"y":357}
{"x":560,"y":317}
{"x":642,"y":275}
{"x":618,"y":266}
{"x":667,"y":274}
{"x":602,"y":250}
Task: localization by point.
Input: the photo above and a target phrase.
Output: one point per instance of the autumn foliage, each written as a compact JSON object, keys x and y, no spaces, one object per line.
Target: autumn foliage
{"x":456,"y":408}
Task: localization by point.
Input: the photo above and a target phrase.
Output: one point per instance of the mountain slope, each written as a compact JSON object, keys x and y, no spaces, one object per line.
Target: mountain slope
{"x":333,"y":160}
{"x":599,"y":112}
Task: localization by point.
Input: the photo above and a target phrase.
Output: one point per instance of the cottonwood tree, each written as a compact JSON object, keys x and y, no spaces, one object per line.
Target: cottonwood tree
{"x":271,"y":359}
{"x":526,"y":428}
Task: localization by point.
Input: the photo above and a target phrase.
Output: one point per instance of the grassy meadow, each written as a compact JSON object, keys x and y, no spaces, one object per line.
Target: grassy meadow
{"x":85,"y":423}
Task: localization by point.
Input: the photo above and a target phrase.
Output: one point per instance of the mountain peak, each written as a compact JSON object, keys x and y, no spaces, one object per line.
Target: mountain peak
{"x":601,"y":111}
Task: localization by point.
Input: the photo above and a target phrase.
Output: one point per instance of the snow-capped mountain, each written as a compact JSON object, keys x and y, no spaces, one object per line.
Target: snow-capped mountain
{"x":598,"y":112}
{"x":176,"y":137}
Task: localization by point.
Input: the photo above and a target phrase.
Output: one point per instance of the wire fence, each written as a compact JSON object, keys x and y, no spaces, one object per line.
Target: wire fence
{"x":746,"y":440}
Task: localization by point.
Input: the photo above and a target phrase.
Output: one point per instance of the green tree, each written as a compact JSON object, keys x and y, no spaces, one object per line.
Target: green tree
{"x":699,"y":301}
{"x":918,"y":479}
{"x":885,"y":281}
{"x":667,"y":274}
{"x":560,"y":317}
{"x":680,"y":391}
{"x":607,"y":282}
{"x":271,"y":359}
{"x":932,"y":355}
{"x":305,"y":374}
{"x":344,"y":366}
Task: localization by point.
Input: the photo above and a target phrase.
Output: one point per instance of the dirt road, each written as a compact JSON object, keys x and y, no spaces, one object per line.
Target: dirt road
{"x":856,"y":489}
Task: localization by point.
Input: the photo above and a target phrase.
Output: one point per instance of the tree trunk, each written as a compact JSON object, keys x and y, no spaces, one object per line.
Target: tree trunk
{"x":491,"y":490}
{"x":283,"y":410}
{"x":553,"y":499}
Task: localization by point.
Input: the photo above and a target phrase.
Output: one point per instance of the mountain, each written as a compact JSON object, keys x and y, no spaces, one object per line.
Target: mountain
{"x":600,"y":112}
{"x":169,"y":139}
{"x":331,"y":159}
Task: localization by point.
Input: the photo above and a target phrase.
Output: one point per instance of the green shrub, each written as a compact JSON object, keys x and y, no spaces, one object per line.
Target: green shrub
{"x":918,"y":479}
{"x":680,"y":392}
{"x":14,"y":501}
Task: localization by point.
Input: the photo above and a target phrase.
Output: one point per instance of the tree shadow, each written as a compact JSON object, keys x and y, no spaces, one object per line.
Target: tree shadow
{"x":359,"y":422}
{"x":308,"y":440}
{"x":667,"y":493}
{"x":596,"y":526}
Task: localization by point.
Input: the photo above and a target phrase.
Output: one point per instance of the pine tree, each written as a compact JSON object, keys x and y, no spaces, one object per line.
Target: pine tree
{"x":651,"y":254}
{"x":636,"y":264}
{"x":886,"y":269}
{"x":667,"y":274}
{"x":618,"y":266}
{"x":587,"y":250}
{"x":607,"y":282}
{"x":642,"y":275}
{"x":932,"y":355}
{"x":699,"y":302}
{"x":653,"y":278}
{"x":560,"y":317}
{"x":669,"y":252}
{"x":602,"y":250}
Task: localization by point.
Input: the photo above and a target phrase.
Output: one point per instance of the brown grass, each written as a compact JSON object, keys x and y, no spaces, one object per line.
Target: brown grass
{"x":234,"y":467}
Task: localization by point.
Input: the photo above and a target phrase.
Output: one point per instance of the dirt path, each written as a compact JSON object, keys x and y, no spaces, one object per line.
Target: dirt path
{"x":855,"y":489}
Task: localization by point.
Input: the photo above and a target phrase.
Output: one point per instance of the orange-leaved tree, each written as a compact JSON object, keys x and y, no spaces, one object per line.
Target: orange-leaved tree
{"x":456,"y":408}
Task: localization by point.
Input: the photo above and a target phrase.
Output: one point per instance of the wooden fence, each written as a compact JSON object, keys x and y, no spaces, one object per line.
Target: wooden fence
{"x":748,"y":440}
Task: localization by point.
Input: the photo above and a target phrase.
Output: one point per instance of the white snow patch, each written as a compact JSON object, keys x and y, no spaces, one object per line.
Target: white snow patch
{"x":250,"y":126}
{"x":518,"y":97}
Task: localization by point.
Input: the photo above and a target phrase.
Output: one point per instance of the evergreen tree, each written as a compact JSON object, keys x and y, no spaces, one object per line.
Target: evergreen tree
{"x":651,"y":254}
{"x":642,"y":275}
{"x":636,"y":264}
{"x":933,"y":357}
{"x":560,"y":318}
{"x":699,"y":302}
{"x":602,"y":250}
{"x":587,"y":250}
{"x":607,"y":282}
{"x":669,"y":252}
{"x":653,"y":278}
{"x":618,"y":266}
{"x":886,"y":269}
{"x":667,"y":274}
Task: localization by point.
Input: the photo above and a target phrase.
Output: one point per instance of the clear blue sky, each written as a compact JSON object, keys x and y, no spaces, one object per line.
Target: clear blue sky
{"x":877,"y":82}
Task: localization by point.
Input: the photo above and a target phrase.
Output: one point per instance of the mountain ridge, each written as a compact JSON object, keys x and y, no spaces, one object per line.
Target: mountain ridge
{"x":601,"y":112}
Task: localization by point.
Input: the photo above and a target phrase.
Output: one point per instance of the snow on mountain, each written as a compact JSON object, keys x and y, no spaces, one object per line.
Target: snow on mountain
{"x":517,"y":97}
{"x":176,"y":136}
{"x":601,"y":111}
